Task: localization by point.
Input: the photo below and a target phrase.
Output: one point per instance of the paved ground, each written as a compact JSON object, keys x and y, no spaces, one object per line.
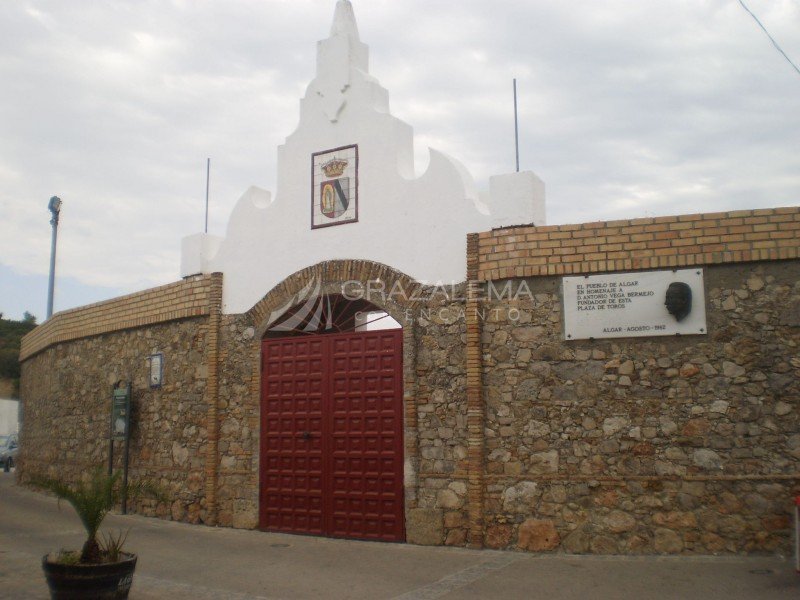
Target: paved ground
{"x":180,"y":561}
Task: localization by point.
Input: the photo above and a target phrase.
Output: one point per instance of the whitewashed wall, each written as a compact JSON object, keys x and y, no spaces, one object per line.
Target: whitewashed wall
{"x":415,"y":225}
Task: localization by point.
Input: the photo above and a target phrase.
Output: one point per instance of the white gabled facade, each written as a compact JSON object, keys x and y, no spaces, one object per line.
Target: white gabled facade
{"x":417,"y":225}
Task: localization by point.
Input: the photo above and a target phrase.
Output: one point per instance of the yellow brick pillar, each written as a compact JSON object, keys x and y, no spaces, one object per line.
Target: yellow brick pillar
{"x":475,"y":407}
{"x":212,"y":397}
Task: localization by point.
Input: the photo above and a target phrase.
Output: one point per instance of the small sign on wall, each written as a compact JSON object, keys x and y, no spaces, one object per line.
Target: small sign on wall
{"x":634,"y":304}
{"x":156,"y":369}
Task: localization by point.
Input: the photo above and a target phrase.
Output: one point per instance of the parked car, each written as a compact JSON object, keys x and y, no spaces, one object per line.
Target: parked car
{"x":9,"y":446}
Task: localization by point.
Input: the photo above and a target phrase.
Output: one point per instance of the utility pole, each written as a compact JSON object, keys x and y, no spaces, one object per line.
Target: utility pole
{"x":55,"y":210}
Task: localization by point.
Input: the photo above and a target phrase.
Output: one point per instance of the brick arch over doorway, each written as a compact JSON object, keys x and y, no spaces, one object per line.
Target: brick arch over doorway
{"x":333,"y":275}
{"x":355,"y":277}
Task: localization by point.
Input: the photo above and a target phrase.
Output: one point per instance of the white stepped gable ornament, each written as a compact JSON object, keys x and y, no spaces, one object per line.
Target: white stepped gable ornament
{"x":343,"y":106}
{"x":342,"y":51}
{"x":334,"y":187}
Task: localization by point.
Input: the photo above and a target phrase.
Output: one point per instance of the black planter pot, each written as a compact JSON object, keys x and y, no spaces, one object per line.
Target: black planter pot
{"x":105,"y":581}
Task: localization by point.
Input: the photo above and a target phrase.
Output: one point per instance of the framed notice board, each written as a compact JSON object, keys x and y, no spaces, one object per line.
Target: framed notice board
{"x":121,"y":412}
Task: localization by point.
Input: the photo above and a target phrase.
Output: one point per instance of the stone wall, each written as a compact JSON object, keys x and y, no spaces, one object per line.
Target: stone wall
{"x":239,"y":406}
{"x":441,"y":410}
{"x":199,"y":434}
{"x":66,"y":392}
{"x":643,"y":445}
{"x":514,"y":438}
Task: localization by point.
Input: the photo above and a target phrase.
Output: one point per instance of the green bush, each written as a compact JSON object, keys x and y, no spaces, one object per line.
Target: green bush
{"x":11,"y":334}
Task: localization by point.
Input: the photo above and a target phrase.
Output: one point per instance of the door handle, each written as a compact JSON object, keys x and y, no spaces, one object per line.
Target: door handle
{"x":306,"y":435}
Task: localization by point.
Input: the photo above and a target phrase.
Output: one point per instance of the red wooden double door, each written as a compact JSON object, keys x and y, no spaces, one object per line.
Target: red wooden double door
{"x":331,"y":435}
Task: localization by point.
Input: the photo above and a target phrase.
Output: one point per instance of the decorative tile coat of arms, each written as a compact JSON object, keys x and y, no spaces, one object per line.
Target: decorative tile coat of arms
{"x":334,"y":187}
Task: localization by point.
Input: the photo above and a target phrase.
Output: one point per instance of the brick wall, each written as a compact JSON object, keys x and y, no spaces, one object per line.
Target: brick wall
{"x":190,"y":297}
{"x":650,"y":243}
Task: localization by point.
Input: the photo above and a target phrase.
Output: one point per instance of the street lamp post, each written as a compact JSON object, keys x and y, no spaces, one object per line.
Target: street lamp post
{"x":55,"y":209}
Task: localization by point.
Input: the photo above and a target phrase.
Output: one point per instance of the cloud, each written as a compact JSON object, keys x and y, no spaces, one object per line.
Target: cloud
{"x":626,"y":109}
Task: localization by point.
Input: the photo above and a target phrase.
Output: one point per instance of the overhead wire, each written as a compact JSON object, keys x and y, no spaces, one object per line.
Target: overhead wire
{"x":771,"y":39}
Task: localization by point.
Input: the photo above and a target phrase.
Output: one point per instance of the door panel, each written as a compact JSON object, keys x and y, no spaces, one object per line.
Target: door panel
{"x":291,"y":452}
{"x":345,"y":390}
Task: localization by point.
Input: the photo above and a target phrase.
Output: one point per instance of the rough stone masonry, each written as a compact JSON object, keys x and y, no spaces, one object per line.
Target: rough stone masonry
{"x":514,"y":437}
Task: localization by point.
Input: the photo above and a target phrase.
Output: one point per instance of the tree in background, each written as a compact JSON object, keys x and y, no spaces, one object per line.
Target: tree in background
{"x":11,"y":334}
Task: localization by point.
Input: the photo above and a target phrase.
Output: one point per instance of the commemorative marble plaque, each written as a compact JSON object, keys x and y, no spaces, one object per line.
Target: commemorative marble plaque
{"x":634,"y":304}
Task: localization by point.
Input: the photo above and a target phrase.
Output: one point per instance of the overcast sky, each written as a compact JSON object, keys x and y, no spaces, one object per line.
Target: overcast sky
{"x":627,"y":109}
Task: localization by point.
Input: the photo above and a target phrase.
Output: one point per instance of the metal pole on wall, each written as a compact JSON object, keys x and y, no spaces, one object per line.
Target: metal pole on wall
{"x":111,"y":434}
{"x":55,"y":210}
{"x":125,"y":457}
{"x":208,"y":175}
{"x":516,"y":126}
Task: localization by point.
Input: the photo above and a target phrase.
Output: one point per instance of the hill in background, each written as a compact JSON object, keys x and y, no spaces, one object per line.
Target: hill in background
{"x":11,"y":333}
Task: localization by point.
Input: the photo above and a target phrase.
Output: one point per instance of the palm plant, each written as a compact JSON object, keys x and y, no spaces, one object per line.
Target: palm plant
{"x":92,"y":500}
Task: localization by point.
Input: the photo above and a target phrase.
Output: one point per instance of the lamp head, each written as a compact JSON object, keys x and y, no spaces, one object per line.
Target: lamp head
{"x":55,"y":205}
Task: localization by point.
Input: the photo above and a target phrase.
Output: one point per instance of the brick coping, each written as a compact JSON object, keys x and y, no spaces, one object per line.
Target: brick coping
{"x":646,"y":243}
{"x":188,"y":298}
